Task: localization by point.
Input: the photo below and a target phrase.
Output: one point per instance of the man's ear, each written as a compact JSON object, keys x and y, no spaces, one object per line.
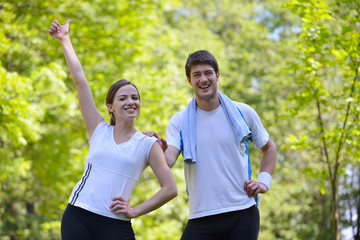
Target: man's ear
{"x":189,"y":80}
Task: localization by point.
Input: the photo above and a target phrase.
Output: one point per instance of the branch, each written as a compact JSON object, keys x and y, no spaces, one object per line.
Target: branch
{"x":341,"y":141}
{"x":323,"y":138}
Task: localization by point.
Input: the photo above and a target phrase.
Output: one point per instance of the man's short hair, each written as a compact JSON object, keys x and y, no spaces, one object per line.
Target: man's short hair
{"x":198,"y":58}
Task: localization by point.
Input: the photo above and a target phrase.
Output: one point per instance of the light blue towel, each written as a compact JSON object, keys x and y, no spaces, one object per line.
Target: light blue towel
{"x":188,"y":131}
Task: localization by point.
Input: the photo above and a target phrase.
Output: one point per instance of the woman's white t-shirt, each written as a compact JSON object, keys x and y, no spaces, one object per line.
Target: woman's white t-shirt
{"x":110,"y":170}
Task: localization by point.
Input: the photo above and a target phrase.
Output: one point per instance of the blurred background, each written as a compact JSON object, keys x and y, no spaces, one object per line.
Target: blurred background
{"x":295,"y":62}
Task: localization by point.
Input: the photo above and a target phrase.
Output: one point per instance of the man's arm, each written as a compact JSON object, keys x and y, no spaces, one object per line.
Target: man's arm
{"x":267,"y":166}
{"x":171,"y":155}
{"x":268,"y":157}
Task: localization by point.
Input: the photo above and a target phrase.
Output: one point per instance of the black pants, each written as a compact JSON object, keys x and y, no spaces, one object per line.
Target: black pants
{"x":80,"y":224}
{"x":237,"y":225}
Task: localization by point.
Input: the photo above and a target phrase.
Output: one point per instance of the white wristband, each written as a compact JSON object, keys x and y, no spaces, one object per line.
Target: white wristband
{"x":265,"y":178}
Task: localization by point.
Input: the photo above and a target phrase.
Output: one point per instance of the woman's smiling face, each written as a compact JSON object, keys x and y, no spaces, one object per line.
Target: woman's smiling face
{"x":126,"y":104}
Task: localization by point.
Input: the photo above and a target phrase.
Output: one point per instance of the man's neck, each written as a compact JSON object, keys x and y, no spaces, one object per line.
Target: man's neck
{"x":208,"y":104}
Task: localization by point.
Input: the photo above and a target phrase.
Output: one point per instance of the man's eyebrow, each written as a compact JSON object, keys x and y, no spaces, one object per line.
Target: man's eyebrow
{"x":205,"y":71}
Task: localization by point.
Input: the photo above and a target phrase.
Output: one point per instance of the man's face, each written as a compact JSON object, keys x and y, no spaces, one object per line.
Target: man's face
{"x":203,"y":80}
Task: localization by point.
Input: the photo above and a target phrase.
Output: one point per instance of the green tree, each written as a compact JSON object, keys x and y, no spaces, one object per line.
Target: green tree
{"x":292,"y":63}
{"x":328,"y":92}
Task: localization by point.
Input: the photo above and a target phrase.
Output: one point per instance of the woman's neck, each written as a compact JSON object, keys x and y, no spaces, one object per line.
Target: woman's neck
{"x":123,"y":132}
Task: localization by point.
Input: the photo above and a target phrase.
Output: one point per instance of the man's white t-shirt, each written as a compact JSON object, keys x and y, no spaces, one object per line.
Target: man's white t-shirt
{"x":215,"y":183}
{"x":110,"y":170}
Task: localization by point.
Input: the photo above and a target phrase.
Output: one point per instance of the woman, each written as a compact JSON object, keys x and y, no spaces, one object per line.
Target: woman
{"x":99,"y":205}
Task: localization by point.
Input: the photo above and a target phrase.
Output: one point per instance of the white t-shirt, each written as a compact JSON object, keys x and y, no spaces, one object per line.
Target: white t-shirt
{"x":215,"y":183}
{"x":110,"y":170}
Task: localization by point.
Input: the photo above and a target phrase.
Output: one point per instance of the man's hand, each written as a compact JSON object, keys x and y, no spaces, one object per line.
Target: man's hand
{"x":161,"y":141}
{"x":253,"y":188}
{"x":59,"y":31}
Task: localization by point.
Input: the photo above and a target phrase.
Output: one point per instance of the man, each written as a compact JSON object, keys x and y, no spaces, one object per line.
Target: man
{"x":212,"y":133}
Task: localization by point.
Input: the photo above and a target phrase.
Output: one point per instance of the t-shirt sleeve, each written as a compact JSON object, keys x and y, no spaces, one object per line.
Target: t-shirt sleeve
{"x":149,"y":142}
{"x":173,"y":130}
{"x":259,"y":134}
{"x":100,"y":128}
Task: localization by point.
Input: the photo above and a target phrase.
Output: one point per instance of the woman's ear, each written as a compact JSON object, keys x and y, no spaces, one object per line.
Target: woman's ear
{"x":109,"y":107}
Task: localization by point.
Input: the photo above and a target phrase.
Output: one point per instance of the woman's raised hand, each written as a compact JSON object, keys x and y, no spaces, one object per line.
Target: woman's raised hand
{"x":59,"y":31}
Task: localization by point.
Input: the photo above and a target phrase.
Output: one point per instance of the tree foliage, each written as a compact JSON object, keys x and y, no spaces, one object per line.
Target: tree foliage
{"x":294,"y":62}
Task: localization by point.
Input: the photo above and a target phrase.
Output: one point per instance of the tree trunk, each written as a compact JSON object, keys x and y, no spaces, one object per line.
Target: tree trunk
{"x":357,"y":235}
{"x":335,"y":210}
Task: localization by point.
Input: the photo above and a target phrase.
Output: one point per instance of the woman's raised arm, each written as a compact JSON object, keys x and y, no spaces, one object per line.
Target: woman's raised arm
{"x":90,"y":114}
